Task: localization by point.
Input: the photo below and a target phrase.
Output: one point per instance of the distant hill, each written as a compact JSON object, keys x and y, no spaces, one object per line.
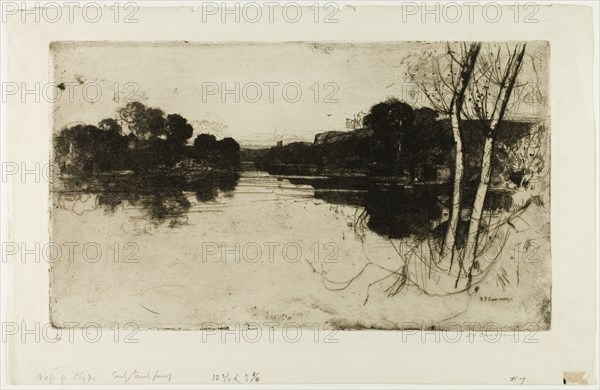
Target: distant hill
{"x":330,"y":137}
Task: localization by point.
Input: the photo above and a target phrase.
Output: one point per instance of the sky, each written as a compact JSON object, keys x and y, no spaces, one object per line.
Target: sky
{"x":257,"y":93}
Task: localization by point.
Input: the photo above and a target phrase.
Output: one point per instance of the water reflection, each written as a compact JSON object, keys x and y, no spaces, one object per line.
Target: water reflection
{"x":401,"y":212}
{"x":396,"y":211}
{"x":388,"y":209}
{"x":161,"y":197}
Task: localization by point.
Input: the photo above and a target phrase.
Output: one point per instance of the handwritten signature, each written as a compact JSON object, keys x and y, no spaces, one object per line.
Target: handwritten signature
{"x":495,"y":299}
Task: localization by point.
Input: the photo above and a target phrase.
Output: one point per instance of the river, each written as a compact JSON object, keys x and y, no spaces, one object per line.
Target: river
{"x":173,"y":252}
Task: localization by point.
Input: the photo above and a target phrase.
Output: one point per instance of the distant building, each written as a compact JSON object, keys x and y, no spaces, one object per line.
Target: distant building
{"x":133,"y":141}
{"x":279,"y":144}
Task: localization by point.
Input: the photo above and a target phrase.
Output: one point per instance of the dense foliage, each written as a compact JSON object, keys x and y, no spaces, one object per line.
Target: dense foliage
{"x":154,"y":141}
{"x":405,"y":142}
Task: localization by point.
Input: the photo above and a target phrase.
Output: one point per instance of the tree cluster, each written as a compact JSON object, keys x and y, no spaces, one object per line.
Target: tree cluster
{"x":154,"y":141}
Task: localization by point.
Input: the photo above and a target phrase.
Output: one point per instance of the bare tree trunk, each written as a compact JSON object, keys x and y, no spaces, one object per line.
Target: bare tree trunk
{"x":507,"y":83}
{"x":454,"y":217}
{"x":482,"y":189}
{"x":456,"y":108}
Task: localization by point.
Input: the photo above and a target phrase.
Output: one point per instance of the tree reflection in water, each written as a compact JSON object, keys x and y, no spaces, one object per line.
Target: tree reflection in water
{"x":162,"y":197}
{"x":390,"y":210}
{"x":397,"y":211}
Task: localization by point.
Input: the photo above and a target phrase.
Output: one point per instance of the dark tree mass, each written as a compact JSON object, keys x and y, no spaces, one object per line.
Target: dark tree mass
{"x":402,"y":143}
{"x":154,"y":142}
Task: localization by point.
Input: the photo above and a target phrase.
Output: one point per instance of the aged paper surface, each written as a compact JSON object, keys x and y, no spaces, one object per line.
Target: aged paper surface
{"x":261,"y":187}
